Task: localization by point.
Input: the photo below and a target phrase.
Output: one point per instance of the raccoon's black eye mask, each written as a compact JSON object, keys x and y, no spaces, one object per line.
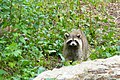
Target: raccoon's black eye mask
{"x":71,"y":41}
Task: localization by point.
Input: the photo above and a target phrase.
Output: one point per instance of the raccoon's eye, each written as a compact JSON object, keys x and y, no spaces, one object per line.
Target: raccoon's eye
{"x":78,"y":35}
{"x":66,"y":35}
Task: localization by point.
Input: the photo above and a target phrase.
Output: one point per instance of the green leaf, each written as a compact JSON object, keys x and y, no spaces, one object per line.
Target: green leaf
{"x":16,"y":53}
{"x":2,"y":72}
{"x":118,"y":48}
{"x":61,"y":56}
{"x":22,"y":40}
{"x":40,"y":70}
{"x":50,"y":79}
{"x":108,"y":54}
{"x":51,"y":51}
{"x":11,"y":64}
{"x":25,"y":62}
{"x":13,"y":46}
{"x":2,"y":42}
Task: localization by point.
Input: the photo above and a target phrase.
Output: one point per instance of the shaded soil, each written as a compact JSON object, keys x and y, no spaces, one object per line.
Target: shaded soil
{"x":113,"y":9}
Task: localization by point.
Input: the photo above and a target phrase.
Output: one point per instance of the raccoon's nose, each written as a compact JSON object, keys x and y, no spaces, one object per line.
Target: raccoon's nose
{"x":73,"y":43}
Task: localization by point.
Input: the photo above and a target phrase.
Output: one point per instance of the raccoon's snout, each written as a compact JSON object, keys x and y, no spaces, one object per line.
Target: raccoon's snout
{"x":73,"y":43}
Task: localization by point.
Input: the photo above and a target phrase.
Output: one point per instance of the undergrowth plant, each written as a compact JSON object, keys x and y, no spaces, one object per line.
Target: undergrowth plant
{"x":38,"y":42}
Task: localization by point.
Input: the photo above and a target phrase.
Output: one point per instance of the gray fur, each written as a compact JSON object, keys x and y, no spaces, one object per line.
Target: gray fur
{"x":79,"y":52}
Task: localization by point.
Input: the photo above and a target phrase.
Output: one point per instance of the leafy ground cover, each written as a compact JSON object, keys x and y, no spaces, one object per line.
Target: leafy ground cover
{"x":37,"y":44}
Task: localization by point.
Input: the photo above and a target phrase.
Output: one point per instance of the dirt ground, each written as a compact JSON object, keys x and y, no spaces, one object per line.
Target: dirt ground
{"x":114,"y":10}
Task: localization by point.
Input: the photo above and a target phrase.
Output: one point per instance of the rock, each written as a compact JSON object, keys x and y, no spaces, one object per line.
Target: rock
{"x":101,"y":69}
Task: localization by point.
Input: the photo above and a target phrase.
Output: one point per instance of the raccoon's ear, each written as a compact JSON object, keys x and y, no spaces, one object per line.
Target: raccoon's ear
{"x":78,"y":35}
{"x":66,"y":35}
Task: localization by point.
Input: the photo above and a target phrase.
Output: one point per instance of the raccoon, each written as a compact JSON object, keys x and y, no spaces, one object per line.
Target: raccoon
{"x":75,"y":46}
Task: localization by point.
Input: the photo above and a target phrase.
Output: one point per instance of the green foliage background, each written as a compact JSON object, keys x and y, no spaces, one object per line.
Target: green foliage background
{"x":37,"y":44}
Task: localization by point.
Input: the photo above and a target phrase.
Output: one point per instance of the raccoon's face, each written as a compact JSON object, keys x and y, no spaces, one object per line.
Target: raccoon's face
{"x":73,"y":39}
